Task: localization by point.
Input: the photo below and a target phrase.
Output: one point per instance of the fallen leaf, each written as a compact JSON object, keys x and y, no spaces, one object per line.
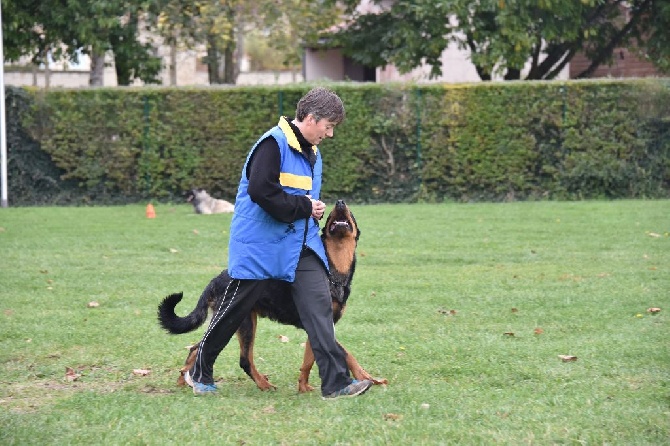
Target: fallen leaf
{"x":283,"y":338}
{"x":509,"y":333}
{"x":141,"y":372}
{"x":93,"y":304}
{"x":269,"y":409}
{"x":392,"y":417}
{"x":567,"y":358}
{"x":195,"y":231}
{"x":538,"y":331}
{"x":515,"y":310}
{"x":448,"y":312}
{"x":653,"y":310}
{"x":71,"y":375}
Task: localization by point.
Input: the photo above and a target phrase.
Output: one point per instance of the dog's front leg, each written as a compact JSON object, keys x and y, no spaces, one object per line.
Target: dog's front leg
{"x":305,"y":368}
{"x":246,"y":335}
{"x":359,"y":372}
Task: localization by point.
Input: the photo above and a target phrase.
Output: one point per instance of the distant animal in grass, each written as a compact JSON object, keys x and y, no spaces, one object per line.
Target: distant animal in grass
{"x":203,"y":203}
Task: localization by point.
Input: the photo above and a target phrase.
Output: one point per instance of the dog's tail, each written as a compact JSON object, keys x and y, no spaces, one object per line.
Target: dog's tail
{"x":178,"y":325}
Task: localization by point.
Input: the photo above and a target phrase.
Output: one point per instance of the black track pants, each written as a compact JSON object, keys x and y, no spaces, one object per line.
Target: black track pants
{"x":239,"y":298}
{"x":311,"y":294}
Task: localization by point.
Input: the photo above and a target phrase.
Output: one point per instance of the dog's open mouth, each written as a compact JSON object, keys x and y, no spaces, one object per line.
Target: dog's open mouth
{"x":338,"y":224}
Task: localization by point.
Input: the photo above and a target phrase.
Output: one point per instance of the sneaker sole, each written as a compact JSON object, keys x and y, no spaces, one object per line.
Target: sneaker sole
{"x":200,"y":393}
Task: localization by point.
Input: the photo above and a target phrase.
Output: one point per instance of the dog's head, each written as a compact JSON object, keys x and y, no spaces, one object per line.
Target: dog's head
{"x":340,"y":236}
{"x":340,"y":224}
{"x":195,"y":195}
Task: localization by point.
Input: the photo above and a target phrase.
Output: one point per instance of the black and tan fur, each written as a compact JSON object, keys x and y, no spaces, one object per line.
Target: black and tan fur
{"x":340,"y":236}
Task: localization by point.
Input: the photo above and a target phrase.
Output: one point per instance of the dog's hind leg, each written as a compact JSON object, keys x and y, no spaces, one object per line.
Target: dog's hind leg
{"x":190,"y":359}
{"x":246,"y":335}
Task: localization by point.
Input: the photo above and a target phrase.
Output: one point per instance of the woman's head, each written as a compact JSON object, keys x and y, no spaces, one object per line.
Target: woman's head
{"x":321,"y":103}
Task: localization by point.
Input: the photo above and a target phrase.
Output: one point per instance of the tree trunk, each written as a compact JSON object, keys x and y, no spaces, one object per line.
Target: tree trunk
{"x":47,"y":70}
{"x":213,"y":61}
{"x":97,"y":76}
{"x":229,"y":75}
{"x":513,"y":74}
{"x":173,"y":64}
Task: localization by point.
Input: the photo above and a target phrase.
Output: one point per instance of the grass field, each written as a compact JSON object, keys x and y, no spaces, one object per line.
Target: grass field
{"x":464,"y":308}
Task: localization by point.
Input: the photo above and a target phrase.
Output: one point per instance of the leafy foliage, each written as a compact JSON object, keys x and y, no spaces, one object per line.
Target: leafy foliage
{"x":564,"y":140}
{"x":503,"y":36}
{"x":64,"y":30}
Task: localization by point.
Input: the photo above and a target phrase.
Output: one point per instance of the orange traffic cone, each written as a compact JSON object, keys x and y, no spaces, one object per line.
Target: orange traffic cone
{"x":151,"y":213}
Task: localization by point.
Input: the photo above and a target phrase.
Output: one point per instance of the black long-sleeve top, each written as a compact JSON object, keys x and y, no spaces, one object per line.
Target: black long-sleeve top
{"x":264,"y":188}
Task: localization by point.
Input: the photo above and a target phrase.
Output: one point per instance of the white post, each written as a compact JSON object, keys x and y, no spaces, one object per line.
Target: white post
{"x":3,"y":126}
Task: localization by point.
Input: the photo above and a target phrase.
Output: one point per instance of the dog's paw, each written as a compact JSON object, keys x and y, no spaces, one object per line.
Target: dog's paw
{"x":303,"y":387}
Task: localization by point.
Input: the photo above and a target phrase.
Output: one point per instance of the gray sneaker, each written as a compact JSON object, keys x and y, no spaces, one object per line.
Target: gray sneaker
{"x":199,"y":388}
{"x":355,"y":388}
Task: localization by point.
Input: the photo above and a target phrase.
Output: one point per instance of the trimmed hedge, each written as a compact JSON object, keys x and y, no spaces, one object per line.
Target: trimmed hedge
{"x":400,"y":142}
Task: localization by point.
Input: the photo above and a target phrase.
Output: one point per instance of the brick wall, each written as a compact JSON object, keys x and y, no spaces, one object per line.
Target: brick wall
{"x":625,"y":64}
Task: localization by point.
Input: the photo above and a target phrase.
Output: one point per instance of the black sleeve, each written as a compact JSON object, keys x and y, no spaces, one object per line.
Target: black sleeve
{"x":265,"y":190}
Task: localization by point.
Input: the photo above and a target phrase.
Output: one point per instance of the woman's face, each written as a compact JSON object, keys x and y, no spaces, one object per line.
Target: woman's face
{"x":316,"y":131}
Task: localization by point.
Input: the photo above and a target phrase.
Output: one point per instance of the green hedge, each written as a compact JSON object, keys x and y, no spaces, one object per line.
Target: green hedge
{"x":400,"y":142}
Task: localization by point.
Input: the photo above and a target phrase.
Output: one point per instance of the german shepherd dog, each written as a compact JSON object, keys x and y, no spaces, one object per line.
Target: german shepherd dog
{"x":340,"y":237}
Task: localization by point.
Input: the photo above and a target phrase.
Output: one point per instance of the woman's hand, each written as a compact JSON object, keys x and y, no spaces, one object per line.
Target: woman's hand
{"x":318,"y":208}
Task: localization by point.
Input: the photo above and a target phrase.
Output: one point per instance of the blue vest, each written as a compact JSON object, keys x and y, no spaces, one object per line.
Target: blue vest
{"x":261,"y":247}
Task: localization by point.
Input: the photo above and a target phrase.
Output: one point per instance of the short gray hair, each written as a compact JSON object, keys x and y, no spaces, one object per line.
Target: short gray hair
{"x":322,"y":104}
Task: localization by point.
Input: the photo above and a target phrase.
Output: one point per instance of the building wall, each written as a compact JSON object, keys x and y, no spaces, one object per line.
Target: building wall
{"x":323,"y":64}
{"x":625,"y":64}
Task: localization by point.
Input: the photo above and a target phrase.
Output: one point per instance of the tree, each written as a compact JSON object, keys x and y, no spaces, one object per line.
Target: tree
{"x":289,"y":24}
{"x":35,"y":27}
{"x":503,"y":35}
{"x":200,"y":22}
{"x":65,"y":29}
{"x":286,"y":24}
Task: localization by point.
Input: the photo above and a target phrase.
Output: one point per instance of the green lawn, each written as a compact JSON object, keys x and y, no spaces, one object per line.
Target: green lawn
{"x":464,"y":308}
